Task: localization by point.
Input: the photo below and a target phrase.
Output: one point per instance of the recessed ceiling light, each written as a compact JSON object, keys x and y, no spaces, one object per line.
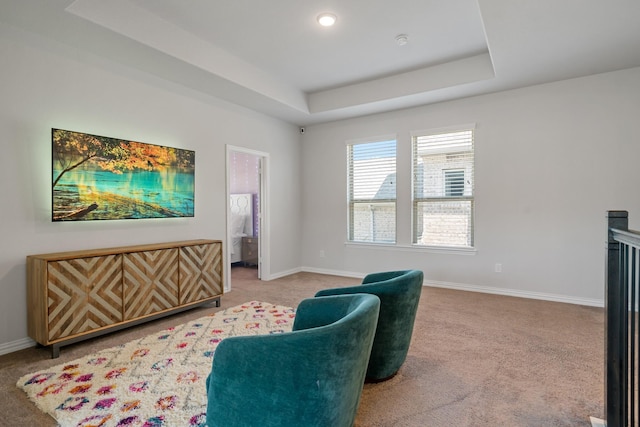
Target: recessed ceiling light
{"x":327,"y":19}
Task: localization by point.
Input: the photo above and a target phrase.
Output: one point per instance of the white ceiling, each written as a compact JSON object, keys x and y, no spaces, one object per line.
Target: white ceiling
{"x":273,"y":57}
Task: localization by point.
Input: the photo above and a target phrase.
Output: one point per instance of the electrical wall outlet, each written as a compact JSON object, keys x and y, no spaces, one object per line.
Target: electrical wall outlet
{"x":498,"y":268}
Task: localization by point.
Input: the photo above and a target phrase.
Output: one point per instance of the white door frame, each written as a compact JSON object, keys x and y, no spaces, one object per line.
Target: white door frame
{"x":264,"y":271}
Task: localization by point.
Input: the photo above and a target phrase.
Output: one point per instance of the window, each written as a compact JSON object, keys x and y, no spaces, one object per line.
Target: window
{"x":454,"y":182}
{"x":372,"y":191}
{"x":443,"y":200}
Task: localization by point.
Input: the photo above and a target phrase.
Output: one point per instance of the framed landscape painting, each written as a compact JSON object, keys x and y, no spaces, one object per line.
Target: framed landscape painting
{"x":101,"y":178}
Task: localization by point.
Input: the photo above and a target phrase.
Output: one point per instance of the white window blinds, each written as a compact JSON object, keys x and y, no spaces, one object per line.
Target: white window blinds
{"x":443,"y":199}
{"x":372,"y":191}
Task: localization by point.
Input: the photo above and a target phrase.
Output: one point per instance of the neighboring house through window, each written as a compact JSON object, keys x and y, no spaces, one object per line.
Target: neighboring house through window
{"x":443,"y":200}
{"x":443,"y":189}
{"x":372,"y":191}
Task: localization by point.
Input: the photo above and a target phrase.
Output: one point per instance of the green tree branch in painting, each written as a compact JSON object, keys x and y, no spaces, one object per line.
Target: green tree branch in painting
{"x":72,"y":149}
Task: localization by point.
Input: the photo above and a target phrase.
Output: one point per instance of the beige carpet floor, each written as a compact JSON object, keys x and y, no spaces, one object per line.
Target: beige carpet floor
{"x":475,"y":359}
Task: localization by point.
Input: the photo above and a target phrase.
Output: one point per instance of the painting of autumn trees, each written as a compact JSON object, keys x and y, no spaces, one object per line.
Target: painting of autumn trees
{"x":99,"y":178}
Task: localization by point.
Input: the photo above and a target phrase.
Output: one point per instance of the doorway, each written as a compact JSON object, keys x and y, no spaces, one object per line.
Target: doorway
{"x":246,"y":214}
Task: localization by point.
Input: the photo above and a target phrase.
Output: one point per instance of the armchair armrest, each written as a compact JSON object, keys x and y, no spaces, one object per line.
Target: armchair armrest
{"x":315,"y":312}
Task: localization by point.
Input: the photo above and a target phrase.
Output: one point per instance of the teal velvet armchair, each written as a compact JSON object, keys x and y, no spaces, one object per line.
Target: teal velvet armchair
{"x":399,"y":293}
{"x":312,"y":376}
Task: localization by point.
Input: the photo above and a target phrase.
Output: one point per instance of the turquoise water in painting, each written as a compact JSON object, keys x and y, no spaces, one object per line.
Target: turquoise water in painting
{"x":136,"y":194}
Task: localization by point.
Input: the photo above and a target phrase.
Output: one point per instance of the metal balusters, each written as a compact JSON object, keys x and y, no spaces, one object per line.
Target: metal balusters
{"x":622,"y":297}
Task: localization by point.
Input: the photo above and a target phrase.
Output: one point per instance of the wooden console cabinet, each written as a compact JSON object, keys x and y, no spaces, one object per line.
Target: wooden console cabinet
{"x":77,"y":295}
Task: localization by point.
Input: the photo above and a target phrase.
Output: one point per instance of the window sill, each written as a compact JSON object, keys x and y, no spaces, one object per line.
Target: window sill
{"x":413,"y":248}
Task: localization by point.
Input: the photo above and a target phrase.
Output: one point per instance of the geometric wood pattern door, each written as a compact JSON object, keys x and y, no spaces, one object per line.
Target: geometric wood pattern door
{"x":200,"y":272}
{"x":83,"y":294}
{"x":150,"y":282}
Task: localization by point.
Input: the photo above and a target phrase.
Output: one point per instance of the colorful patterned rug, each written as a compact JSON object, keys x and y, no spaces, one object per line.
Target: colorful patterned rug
{"x":158,"y":380}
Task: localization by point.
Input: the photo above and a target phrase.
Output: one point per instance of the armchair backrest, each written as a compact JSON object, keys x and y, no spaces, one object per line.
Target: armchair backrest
{"x":399,"y":293}
{"x":311,"y":376}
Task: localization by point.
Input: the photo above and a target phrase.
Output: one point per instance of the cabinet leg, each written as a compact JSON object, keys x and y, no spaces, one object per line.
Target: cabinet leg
{"x":55,"y":351}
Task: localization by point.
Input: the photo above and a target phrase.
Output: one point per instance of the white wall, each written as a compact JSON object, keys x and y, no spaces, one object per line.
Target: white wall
{"x":43,"y":85}
{"x":550,"y":161}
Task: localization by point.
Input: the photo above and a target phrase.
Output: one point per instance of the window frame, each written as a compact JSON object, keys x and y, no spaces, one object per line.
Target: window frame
{"x":470,"y":197}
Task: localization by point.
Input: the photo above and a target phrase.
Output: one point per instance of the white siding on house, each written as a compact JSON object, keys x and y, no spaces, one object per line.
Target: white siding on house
{"x":382,"y":169}
{"x":375,"y":221}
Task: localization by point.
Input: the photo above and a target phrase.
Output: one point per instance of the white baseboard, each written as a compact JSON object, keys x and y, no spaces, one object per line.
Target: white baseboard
{"x":333,"y":272}
{"x":481,"y":289}
{"x":12,"y":346}
{"x":314,"y":270}
{"x":516,"y":293}
{"x":282,"y":274}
